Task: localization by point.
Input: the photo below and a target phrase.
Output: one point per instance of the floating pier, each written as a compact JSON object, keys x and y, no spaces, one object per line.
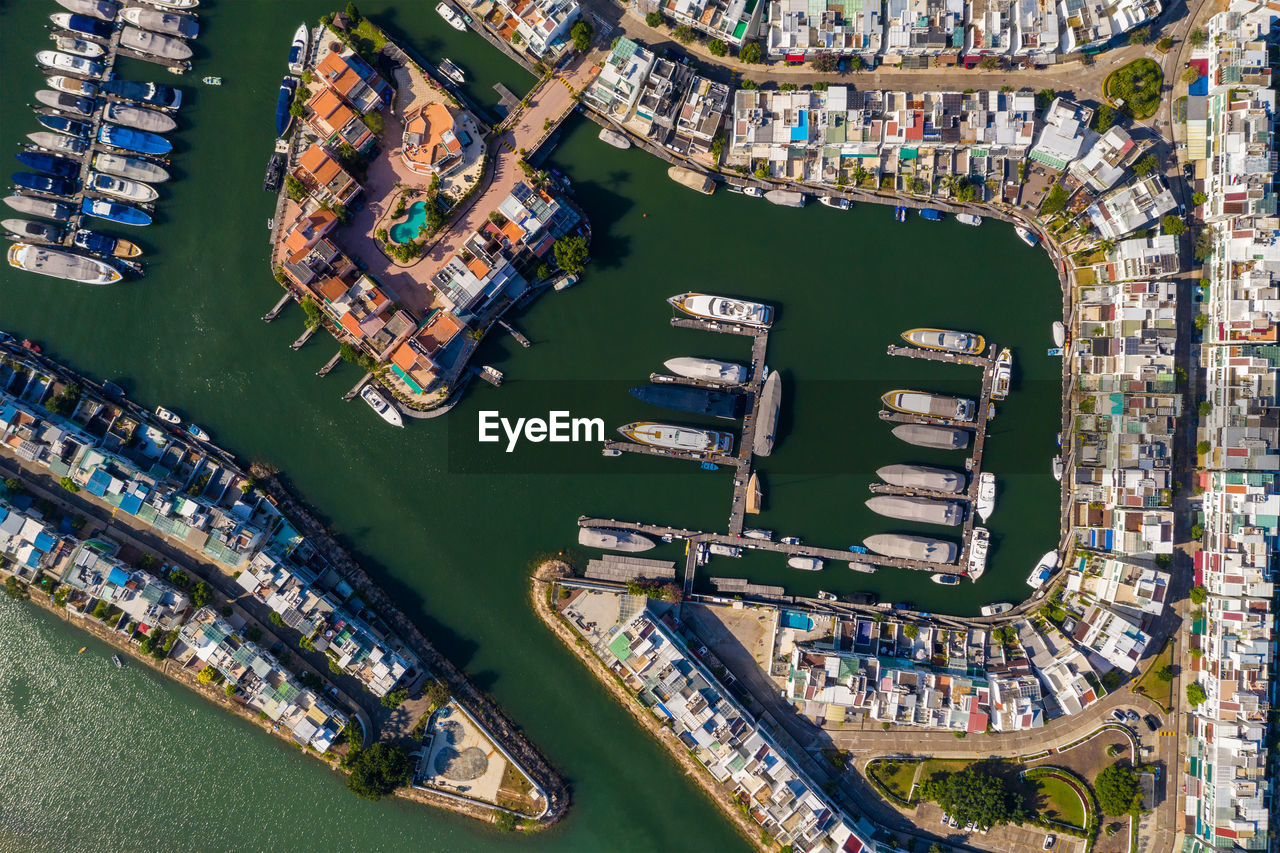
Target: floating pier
{"x":515,"y":333}
{"x":330,"y":364}
{"x":277,"y":308}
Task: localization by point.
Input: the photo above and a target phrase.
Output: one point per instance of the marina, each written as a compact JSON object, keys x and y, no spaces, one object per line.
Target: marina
{"x":100,"y":158}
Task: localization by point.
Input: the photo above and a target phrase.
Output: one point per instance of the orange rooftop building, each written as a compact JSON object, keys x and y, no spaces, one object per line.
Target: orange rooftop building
{"x":432,"y":143}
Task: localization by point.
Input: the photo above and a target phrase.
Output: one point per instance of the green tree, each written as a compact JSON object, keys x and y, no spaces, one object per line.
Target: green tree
{"x":14,"y":485}
{"x":298,"y":109}
{"x":1195,"y":693}
{"x":653,"y":19}
{"x":15,"y":589}
{"x":201,"y":593}
{"x":718,"y":47}
{"x":68,"y":484}
{"x":1146,"y":165}
{"x":1117,"y":789}
{"x":1198,"y":198}
{"x":314,"y":315}
{"x":1173,"y":225}
{"x":64,"y":402}
{"x":855,"y":62}
{"x":1165,"y":674}
{"x":1190,"y":74}
{"x":1164,"y":44}
{"x":436,"y":693}
{"x":1140,"y":36}
{"x":911,"y":631}
{"x":975,"y":795}
{"x":378,"y":771}
{"x":206,"y":675}
{"x":684,"y":33}
{"x":395,"y":698}
{"x":1104,"y":117}
{"x":751,"y":53}
{"x":1044,"y":98}
{"x":824,"y":63}
{"x":230,"y":689}
{"x":179,"y":578}
{"x":571,"y":254}
{"x":989,"y":63}
{"x":1198,"y":594}
{"x":1203,"y":447}
{"x":1055,"y":201}
{"x":581,"y":35}
{"x":1198,"y":37}
{"x":354,"y":14}
{"x":374,"y":121}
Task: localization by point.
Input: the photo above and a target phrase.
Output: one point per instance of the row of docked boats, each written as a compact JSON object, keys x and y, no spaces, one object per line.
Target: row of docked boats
{"x":101,"y":151}
{"x":299,"y":55}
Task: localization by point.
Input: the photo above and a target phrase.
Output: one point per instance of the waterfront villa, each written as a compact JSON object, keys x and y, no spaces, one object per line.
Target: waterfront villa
{"x":31,"y":544}
{"x":324,"y":178}
{"x":364,"y":314}
{"x":617,"y":87}
{"x":540,"y":27}
{"x":1065,"y":134}
{"x":351,"y":79}
{"x":433,"y":142}
{"x":336,"y":123}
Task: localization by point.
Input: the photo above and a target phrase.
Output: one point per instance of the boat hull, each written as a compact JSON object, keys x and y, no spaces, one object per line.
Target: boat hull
{"x":49,"y":164}
{"x":67,"y":126}
{"x":946,"y":340}
{"x":678,"y":438}
{"x":707,"y":369}
{"x":63,"y":265}
{"x":920,"y":548}
{"x":137,"y":141}
{"x":722,"y":309}
{"x":40,"y":207}
{"x":105,"y":10}
{"x":114,"y":211}
{"x":43,"y":183}
{"x":298,"y":49}
{"x":67,"y":103}
{"x":103,"y":244}
{"x":123,"y":188}
{"x":930,"y":405}
{"x":155,"y":94}
{"x":134,"y":168}
{"x":139,"y":118}
{"x":926,"y":435}
{"x":923,"y":477}
{"x":29,"y":229}
{"x":83,"y":24}
{"x":284,"y":100}
{"x":614,"y":539}
{"x":167,"y":23}
{"x":923,"y":510}
{"x":155,"y":44}
{"x":697,"y":401}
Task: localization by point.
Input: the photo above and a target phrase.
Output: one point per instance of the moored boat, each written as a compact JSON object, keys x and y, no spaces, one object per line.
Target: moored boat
{"x":723,"y":309}
{"x":29,"y":230}
{"x":786,"y":198}
{"x":43,"y":183}
{"x":454,"y":20}
{"x":284,"y":100}
{"x":40,"y":207}
{"x":134,"y":168}
{"x":755,"y":494}
{"x":754,"y":192}
{"x":614,"y":539}
{"x":175,"y":4}
{"x":899,"y":214}
{"x":944,"y":579}
{"x":979,"y":546}
{"x":995,"y":609}
{"x":449,"y":69}
{"x":1058,"y":468}
{"x":211,"y":81}
{"x":1059,"y":333}
{"x":105,"y":244}
{"x":757,"y":533}
{"x":928,"y":435}
{"x":680,"y":438}
{"x":986,"y":495}
{"x":385,"y":409}
{"x":140,"y":118}
{"x":167,"y":416}
{"x":770,"y":405}
{"x":131,"y":139}
{"x":72,"y":86}
{"x":609,"y":136}
{"x":58,"y":142}
{"x":834,"y":202}
{"x":805,"y":564}
{"x":123,"y":188}
{"x":168,"y":23}
{"x":154,"y":44}
{"x":928,"y":213}
{"x":59,"y":61}
{"x":968,"y":343}
{"x":1003,"y":377}
{"x":923,"y":477}
{"x":1026,"y":236}
{"x":67,"y":126}
{"x":707,"y":369}
{"x":64,"y":265}
{"x":197,"y":433}
{"x":49,"y":164}
{"x":912,"y":547}
{"x":823,"y":595}
{"x":73,"y":104}
{"x":114,"y":211}
{"x":298,"y":49}
{"x":116,"y":660}
{"x":155,"y":94}
{"x":105,"y":10}
{"x":968,"y":219}
{"x":83,"y":24}
{"x":924,"y":510}
{"x":694,"y":400}
{"x":77,"y":47}
{"x":1043,"y":570}
{"x":930,"y":405}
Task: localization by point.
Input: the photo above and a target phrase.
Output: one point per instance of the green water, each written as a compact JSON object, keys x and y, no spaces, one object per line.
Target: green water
{"x":92,"y":758}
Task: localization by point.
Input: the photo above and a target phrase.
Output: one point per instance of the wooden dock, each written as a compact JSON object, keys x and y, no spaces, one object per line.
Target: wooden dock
{"x":515,"y":333}
{"x":304,"y":337}
{"x":277,"y":308}
{"x":330,"y":364}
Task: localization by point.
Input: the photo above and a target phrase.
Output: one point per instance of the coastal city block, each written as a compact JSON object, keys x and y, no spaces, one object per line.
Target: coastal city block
{"x":1112,"y":694}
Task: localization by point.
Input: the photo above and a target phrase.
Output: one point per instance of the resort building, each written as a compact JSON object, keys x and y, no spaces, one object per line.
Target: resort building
{"x":354,"y":81}
{"x":1103,"y":166}
{"x":616,"y":88}
{"x":364,"y":315}
{"x":540,"y":27}
{"x":1111,"y":640}
{"x":701,"y":115}
{"x":433,"y":141}
{"x":94,"y":571}
{"x":335,"y":123}
{"x":924,"y":27}
{"x":25,"y":540}
{"x":798,"y":30}
{"x":1151,"y":258}
{"x":991,"y":28}
{"x":324,"y":178}
{"x":1037,"y":28}
{"x":1065,"y":134}
{"x":1138,"y":205}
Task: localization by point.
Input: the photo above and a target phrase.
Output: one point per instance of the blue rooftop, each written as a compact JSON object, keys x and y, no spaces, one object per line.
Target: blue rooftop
{"x":118,"y":576}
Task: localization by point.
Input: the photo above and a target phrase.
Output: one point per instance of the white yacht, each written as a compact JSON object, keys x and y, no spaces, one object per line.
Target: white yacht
{"x":723,"y":309}
{"x":1003,"y":375}
{"x":385,"y":409}
{"x":979,"y":546}
{"x":986,"y":494}
{"x":451,"y":17}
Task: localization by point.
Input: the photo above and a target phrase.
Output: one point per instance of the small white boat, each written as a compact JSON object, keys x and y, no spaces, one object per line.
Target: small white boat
{"x":211,"y":81}
{"x":790,"y":540}
{"x":58,"y":61}
{"x":805,"y":564}
{"x":754,"y":192}
{"x":865,"y":568}
{"x":986,"y":494}
{"x":197,"y":433}
{"x":833,"y":202}
{"x":167,"y":416}
{"x":77,"y":47}
{"x":1059,"y":334}
{"x":1003,"y":375}
{"x":968,"y":219}
{"x":72,"y":86}
{"x":454,"y":20}
{"x":298,"y":50}
{"x":175,"y":4}
{"x":452,"y":71}
{"x":565,"y":282}
{"x":115,"y":659}
{"x":945,"y":579}
{"x":123,"y":188}
{"x":756,"y":533}
{"x":995,"y":609}
{"x":381,"y":405}
{"x":1026,"y":236}
{"x":823,"y":595}
{"x":609,"y":136}
{"x":1043,"y":570}
{"x":1058,"y":468}
{"x":979,"y":547}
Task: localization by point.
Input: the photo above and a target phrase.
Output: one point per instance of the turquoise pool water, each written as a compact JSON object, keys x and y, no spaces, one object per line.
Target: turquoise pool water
{"x":796,"y":620}
{"x":406,"y":231}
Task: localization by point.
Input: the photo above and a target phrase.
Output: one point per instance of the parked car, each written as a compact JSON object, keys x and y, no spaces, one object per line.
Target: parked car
{"x":1131,"y":715}
{"x":1152,"y":722}
{"x":1118,"y":715}
{"x":1049,"y":841}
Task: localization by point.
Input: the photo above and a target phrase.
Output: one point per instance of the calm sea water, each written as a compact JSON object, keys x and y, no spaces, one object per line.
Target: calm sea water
{"x":92,"y":758}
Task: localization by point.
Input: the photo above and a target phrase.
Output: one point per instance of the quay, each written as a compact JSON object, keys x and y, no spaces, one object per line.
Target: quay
{"x":278,"y":307}
{"x":330,"y":364}
{"x":304,"y":337}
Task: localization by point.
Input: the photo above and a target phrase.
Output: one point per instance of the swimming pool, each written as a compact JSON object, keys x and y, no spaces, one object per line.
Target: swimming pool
{"x":796,"y":620}
{"x":407,"y":231}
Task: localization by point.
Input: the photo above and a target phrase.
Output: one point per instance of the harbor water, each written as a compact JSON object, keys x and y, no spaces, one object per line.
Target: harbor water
{"x":94,"y":758}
